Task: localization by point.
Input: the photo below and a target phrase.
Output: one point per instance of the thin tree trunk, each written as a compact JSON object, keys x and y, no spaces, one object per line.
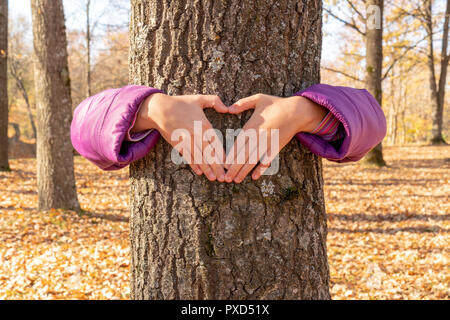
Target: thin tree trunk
{"x":4,"y":164}
{"x":20,"y":85}
{"x":402,"y":112}
{"x":374,"y":66}
{"x":392,"y":111}
{"x":436,"y":130}
{"x":88,"y":49}
{"x":445,"y":57}
{"x":29,"y":112}
{"x":55,"y":175}
{"x":438,"y":116}
{"x":195,"y":239}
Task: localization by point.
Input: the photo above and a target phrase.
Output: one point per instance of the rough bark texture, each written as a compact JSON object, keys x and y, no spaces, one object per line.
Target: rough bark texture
{"x":194,"y":239}
{"x":56,"y":181}
{"x":437,"y":92}
{"x":4,"y":165}
{"x":374,"y":67}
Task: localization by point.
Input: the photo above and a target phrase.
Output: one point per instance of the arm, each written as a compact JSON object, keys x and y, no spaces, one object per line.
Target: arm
{"x":117,"y":127}
{"x":358,"y":119}
{"x":101,"y":125}
{"x":361,"y":118}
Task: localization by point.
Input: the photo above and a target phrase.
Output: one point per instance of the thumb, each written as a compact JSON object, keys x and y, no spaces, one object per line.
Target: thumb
{"x":212,"y":101}
{"x":245,"y":104}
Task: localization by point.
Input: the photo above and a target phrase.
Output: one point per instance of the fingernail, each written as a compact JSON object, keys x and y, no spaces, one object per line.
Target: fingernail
{"x":228,"y":179}
{"x":212,"y":176}
{"x":222,"y":178}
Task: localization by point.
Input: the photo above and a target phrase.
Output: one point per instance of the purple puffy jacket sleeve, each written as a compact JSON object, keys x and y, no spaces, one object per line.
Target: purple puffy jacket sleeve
{"x":360,"y":114}
{"x":101,"y":124}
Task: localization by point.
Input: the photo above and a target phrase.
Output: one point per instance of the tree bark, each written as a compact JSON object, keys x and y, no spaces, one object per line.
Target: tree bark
{"x":55,"y":175}
{"x":445,"y":58}
{"x":195,"y":239}
{"x":4,"y":164}
{"x":437,"y":92}
{"x":374,"y":67}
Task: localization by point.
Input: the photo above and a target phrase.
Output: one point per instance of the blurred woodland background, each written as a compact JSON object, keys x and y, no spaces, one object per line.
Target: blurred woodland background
{"x":388,"y":227}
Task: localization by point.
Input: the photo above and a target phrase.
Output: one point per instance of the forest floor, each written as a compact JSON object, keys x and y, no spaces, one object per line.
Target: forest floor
{"x":388,"y":236}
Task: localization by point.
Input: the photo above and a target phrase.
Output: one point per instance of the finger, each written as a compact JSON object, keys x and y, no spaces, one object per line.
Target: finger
{"x":187,"y":155}
{"x":206,"y":169}
{"x":261,"y":153}
{"x":245,"y":170}
{"x":193,"y":166}
{"x":259,"y":171}
{"x":208,"y":164}
{"x":231,"y":155}
{"x":235,"y":160}
{"x":196,"y":169}
{"x":236,"y":168}
{"x":215,"y":161}
{"x":245,"y":104}
{"x":265,"y":163}
{"x":238,"y":146}
{"x":213,"y":101}
{"x":232,"y":164}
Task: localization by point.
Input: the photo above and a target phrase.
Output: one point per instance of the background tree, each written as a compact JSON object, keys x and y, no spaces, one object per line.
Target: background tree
{"x":4,"y":164}
{"x":191,"y":238}
{"x":374,"y":64}
{"x":20,"y":68}
{"x":14,"y":67}
{"x":98,"y":51}
{"x":368,"y":24}
{"x":406,"y":46}
{"x":437,"y":91}
{"x":88,"y":48}
{"x":56,"y":181}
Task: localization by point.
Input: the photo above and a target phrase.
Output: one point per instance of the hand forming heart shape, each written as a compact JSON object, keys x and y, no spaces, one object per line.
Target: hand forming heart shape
{"x":279,"y":118}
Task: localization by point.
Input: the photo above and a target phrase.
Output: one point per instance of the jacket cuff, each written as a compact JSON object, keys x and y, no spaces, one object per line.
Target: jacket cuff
{"x":119,"y":120}
{"x":138,"y":136}
{"x":360,"y":115}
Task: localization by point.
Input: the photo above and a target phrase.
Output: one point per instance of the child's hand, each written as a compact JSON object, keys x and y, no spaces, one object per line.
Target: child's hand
{"x":289,"y":115}
{"x":169,"y":113}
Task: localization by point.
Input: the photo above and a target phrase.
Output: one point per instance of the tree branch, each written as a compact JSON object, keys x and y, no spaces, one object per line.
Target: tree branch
{"x":356,"y":10}
{"x":348,"y":24}
{"x":343,"y":73}
{"x":401,"y":57}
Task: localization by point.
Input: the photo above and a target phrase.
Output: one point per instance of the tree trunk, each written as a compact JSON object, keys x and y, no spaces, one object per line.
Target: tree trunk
{"x":195,"y":239}
{"x":4,"y":164}
{"x":21,"y":87}
{"x":436,"y":112}
{"x":437,"y":92}
{"x":88,"y":49}
{"x":445,"y":58}
{"x":56,"y":181}
{"x":374,"y":67}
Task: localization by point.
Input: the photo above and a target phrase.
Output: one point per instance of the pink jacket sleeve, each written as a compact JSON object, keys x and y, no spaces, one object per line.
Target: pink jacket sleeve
{"x":360,"y":114}
{"x":101,"y":125}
